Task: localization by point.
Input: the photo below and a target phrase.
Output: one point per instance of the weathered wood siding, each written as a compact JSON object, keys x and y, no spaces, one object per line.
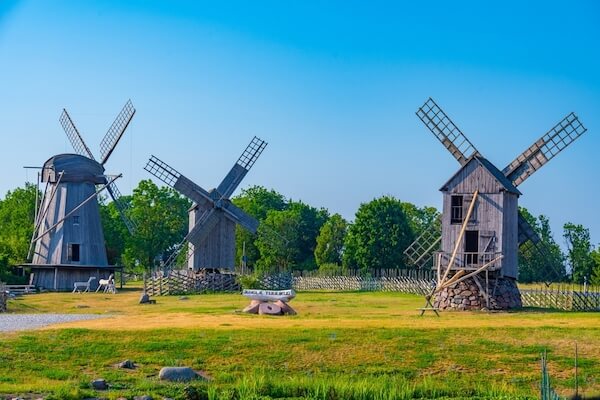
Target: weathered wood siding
{"x":495,"y":214}
{"x":510,"y":247}
{"x":62,"y":278}
{"x":53,"y":247}
{"x":218,"y":249}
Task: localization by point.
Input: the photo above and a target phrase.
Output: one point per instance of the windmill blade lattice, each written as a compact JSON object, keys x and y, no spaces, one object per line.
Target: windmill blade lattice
{"x":544,"y":149}
{"x":420,"y":252}
{"x":446,"y":132}
{"x":115,"y":132}
{"x":177,"y":181}
{"x":241,"y":167}
{"x":115,"y":194}
{"x":74,"y":137}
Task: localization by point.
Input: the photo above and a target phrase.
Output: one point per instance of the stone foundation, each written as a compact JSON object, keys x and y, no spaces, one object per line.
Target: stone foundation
{"x":466,"y":296}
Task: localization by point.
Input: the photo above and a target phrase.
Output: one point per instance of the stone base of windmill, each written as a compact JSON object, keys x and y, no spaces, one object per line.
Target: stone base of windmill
{"x":466,"y":295}
{"x":269,"y":302}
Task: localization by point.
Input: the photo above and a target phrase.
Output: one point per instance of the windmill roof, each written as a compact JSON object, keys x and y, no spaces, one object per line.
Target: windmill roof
{"x":491,"y":168}
{"x":76,"y":168}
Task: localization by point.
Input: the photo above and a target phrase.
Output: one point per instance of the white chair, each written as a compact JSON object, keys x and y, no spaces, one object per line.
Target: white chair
{"x":107,"y":284}
{"x":77,"y":286}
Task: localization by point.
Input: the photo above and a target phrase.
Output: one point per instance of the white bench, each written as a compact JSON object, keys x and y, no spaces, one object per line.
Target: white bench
{"x":17,"y":290}
{"x":77,"y":286}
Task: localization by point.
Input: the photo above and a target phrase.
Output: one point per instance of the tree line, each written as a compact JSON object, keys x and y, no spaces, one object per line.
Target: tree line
{"x":292,"y":235}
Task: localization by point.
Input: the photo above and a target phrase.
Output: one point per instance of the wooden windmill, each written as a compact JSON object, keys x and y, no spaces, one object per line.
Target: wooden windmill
{"x":68,"y":242}
{"x":212,"y":218}
{"x":476,"y":255}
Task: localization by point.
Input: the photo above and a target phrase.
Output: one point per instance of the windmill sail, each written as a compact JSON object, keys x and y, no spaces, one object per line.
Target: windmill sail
{"x":544,"y":149}
{"x":115,"y":194}
{"x":241,"y":167}
{"x":444,"y":129}
{"x":420,"y":253}
{"x":74,"y":137}
{"x":116,"y":131}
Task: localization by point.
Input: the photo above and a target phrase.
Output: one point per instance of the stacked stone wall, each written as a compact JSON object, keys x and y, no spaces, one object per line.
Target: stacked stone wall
{"x":466,"y":295}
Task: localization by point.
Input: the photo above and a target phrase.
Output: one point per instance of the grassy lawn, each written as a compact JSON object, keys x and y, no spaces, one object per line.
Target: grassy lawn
{"x":340,"y":346}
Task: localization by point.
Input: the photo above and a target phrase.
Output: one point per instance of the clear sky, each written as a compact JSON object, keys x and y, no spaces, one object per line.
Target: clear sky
{"x":332,"y":86}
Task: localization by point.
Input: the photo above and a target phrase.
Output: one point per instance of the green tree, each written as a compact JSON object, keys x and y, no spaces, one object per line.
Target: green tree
{"x":330,"y":242}
{"x":116,"y":235}
{"x":287,"y":238}
{"x":162,"y":221}
{"x":257,"y":201}
{"x":579,"y":252}
{"x":533,"y":267}
{"x":379,"y":235}
{"x":17,"y":211}
{"x":596,"y":271}
{"x":420,"y":218}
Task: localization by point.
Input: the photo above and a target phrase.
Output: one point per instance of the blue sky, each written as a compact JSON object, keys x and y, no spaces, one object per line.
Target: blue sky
{"x":332,"y":87}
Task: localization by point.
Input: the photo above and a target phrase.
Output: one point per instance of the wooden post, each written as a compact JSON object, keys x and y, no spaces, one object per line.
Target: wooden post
{"x":461,"y":234}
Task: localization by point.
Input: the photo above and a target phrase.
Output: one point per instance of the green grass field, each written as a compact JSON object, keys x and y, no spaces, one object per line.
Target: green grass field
{"x":340,"y":346}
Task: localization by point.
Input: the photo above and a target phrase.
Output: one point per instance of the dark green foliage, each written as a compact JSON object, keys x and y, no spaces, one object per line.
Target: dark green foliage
{"x":17,"y":211}
{"x":534,"y":268}
{"x":162,"y":221}
{"x":257,"y":201}
{"x":379,"y":235}
{"x":116,"y":235}
{"x":330,"y":242}
{"x":579,"y":252}
{"x":420,"y":219}
{"x":287,"y":239}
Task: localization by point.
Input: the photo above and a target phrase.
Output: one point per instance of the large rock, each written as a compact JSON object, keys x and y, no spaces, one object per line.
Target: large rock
{"x":178,"y":374}
{"x":269,"y":309}
{"x":99,"y":384}
{"x":127,"y":364}
{"x":144,"y":298}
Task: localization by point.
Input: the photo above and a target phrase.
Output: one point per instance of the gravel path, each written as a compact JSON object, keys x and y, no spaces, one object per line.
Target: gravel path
{"x":19,"y":322}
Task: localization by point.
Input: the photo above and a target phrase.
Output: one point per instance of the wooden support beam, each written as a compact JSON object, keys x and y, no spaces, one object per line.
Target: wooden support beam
{"x":460,"y":235}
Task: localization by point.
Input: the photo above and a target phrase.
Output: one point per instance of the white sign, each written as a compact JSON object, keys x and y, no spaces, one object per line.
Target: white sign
{"x":269,"y":295}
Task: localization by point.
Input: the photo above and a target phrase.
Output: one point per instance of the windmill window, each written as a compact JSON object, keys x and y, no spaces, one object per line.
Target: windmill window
{"x":75,"y":219}
{"x":73,"y":252}
{"x":456,"y":210}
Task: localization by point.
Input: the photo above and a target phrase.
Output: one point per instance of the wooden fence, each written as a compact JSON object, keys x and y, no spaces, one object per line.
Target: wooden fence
{"x":561,"y":299}
{"x":187,"y":282}
{"x":3,"y":298}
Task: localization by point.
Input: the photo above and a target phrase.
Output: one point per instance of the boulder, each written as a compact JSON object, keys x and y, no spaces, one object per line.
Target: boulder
{"x":285,"y":307}
{"x":144,"y":397}
{"x":144,"y":298}
{"x":177,"y":374}
{"x":99,"y":384}
{"x":127,"y":364}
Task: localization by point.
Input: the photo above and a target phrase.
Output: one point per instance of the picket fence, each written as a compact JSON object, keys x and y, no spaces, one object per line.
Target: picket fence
{"x":3,"y":297}
{"x":561,"y":299}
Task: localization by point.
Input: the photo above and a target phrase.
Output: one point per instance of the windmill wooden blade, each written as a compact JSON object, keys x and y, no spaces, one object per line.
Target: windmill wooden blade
{"x":241,"y":167}
{"x":444,"y":129}
{"x":174,"y":179}
{"x":420,"y":252}
{"x":526,"y":231}
{"x":207,"y":221}
{"x":115,"y":132}
{"x":115,"y":194}
{"x":239,"y":216}
{"x":74,"y":137}
{"x":544,"y":149}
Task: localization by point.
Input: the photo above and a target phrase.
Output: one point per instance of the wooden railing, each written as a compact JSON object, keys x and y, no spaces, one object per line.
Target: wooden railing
{"x":561,"y":299}
{"x":467,"y":260}
{"x":3,"y":297}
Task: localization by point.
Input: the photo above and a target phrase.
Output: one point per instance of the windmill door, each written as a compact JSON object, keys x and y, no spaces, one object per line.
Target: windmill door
{"x":471,"y":248}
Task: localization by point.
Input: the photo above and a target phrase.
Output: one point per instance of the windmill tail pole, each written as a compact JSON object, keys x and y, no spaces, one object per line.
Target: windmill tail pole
{"x":460,"y":236}
{"x":40,"y":217}
{"x":77,"y":208}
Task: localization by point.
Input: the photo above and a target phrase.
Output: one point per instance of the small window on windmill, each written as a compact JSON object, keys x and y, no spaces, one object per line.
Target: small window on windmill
{"x":75,"y":219}
{"x":73,"y":252}
{"x":456,"y":209}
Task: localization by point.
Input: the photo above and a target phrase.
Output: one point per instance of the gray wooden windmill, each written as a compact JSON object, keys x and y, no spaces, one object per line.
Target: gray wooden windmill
{"x":212,"y":218}
{"x":68,"y":242}
{"x":476,"y":255}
